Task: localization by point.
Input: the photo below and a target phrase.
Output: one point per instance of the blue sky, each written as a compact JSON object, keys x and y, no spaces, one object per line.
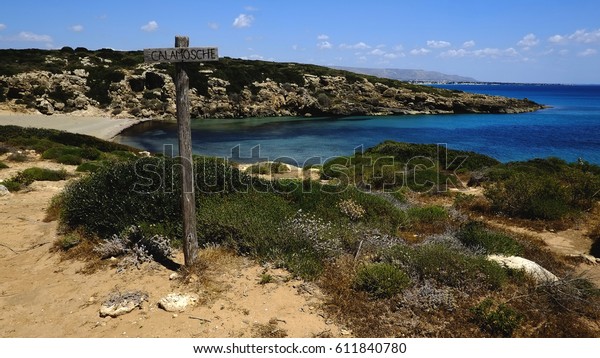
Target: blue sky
{"x":512,"y":41}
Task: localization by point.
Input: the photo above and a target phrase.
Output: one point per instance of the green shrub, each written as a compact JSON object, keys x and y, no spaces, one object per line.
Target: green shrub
{"x":69,"y":159}
{"x":265,"y":278}
{"x":447,"y":266}
{"x":71,"y":153}
{"x":146,"y":190}
{"x":530,"y":197}
{"x":500,"y":321}
{"x":321,"y":200}
{"x":382,"y":280}
{"x":43,"y":174}
{"x":477,"y":236}
{"x":3,"y":165}
{"x":253,"y":223}
{"x":548,"y":189}
{"x":12,"y":186}
{"x":28,"y":176}
{"x":428,"y":218}
{"x":89,"y":167}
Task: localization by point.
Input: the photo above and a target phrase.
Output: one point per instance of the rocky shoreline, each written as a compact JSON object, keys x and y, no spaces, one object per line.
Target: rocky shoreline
{"x":93,"y":84}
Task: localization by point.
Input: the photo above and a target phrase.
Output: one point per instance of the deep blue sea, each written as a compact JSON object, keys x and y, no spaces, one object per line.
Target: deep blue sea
{"x":570,"y":129}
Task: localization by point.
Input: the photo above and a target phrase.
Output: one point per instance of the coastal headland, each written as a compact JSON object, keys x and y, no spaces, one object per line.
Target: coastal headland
{"x":119,"y":84}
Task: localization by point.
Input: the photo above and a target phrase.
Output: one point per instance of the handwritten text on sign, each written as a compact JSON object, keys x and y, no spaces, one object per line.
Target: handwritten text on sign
{"x":181,"y":54}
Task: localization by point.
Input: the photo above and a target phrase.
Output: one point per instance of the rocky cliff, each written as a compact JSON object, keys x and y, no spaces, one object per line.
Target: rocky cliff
{"x":120,"y":84}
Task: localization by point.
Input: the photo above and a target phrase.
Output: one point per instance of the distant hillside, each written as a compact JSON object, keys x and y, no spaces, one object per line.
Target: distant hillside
{"x":120,"y":84}
{"x":408,"y":75}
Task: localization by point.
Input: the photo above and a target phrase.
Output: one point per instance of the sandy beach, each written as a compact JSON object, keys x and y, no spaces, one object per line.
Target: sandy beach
{"x":101,"y":127}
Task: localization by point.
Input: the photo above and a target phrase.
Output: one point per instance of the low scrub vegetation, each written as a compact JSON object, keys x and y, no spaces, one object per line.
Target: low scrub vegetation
{"x":391,"y":166}
{"x":351,"y":242}
{"x":28,"y":176}
{"x":546,"y":189}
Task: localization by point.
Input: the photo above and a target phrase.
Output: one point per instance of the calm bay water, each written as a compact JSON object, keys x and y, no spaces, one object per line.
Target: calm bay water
{"x":569,"y":130}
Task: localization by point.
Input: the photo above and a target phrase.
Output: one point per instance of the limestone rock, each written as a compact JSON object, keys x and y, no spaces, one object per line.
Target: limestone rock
{"x":45,"y":107}
{"x":121,"y":303}
{"x":148,"y":91}
{"x":178,"y":302}
{"x":4,"y":191}
{"x":534,"y":270}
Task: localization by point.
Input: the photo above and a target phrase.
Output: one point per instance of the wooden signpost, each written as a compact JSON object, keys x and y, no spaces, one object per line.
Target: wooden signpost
{"x":179,"y":55}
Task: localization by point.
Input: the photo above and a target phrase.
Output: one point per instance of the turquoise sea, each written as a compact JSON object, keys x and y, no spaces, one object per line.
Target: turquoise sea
{"x":570,"y":129}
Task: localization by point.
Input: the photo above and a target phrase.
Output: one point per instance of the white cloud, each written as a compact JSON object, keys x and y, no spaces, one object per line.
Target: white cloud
{"x":213,"y":25}
{"x":419,"y":52}
{"x":243,"y":20}
{"x":588,"y":52}
{"x":322,"y":37}
{"x":438,"y":44}
{"x":393,"y":55}
{"x":356,"y":46}
{"x":76,"y":28}
{"x":398,"y":48}
{"x":150,"y":26}
{"x":510,"y":52}
{"x":563,"y":52}
{"x":2,"y":27}
{"x":468,"y":44}
{"x":482,"y":53}
{"x":495,"y":52}
{"x":377,"y":52}
{"x":528,"y":40}
{"x":585,"y":37}
{"x":31,"y":37}
{"x":324,"y":45}
{"x":250,"y":8}
{"x":580,"y":36}
{"x":455,"y":53}
{"x":557,"y":39}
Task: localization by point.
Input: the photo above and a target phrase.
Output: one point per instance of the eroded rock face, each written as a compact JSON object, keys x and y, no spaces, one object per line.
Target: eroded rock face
{"x":145,"y":91}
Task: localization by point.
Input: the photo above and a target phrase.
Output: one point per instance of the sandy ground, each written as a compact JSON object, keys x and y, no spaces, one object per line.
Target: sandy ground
{"x":43,"y":295}
{"x":101,"y":127}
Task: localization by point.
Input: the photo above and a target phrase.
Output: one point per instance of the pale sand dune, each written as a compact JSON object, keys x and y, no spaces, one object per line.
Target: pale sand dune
{"x":100,"y":127}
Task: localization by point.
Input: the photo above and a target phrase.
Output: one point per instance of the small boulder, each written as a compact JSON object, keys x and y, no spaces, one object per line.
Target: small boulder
{"x":178,"y":302}
{"x":4,"y":191}
{"x":121,"y":303}
{"x":534,"y":270}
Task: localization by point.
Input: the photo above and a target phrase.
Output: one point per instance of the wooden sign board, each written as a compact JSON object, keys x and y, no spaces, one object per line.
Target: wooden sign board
{"x":181,"y":54}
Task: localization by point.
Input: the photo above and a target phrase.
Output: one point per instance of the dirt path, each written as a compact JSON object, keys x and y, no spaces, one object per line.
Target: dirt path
{"x":44,"y":296}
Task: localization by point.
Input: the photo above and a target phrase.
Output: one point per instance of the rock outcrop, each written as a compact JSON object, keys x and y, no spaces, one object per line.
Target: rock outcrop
{"x":144,"y":90}
{"x":532,"y":269}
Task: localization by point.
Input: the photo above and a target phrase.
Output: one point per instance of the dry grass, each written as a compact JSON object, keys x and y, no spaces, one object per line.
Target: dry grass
{"x":269,"y":330}
{"x":211,"y":263}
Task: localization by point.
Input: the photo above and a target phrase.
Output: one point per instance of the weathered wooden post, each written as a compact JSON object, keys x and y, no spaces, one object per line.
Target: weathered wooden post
{"x":179,"y":55}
